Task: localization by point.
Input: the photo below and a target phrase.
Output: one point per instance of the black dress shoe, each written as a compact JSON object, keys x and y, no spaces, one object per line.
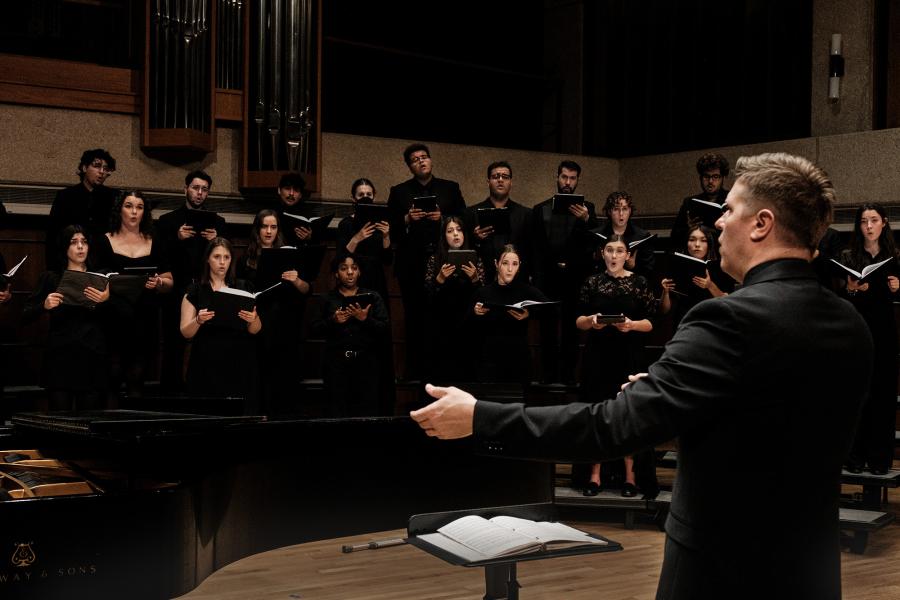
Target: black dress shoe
{"x":592,"y":489}
{"x":629,"y":491}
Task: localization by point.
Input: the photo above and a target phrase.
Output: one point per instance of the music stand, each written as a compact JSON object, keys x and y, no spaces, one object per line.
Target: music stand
{"x":500,"y":573}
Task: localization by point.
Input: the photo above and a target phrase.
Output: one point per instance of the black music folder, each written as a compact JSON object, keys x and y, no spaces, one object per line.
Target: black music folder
{"x":201,"y":219}
{"x":131,"y":282}
{"x":686,"y":267}
{"x":706,"y":210}
{"x":273,"y":262}
{"x":369,"y":213}
{"x":6,"y":277}
{"x":498,"y":218}
{"x":562,"y":202}
{"x":364,"y":300}
{"x":864,"y":276}
{"x":458,"y":258}
{"x":228,"y":302}
{"x":317,"y":225}
{"x":609,"y":319}
{"x":426,"y":203}
{"x":73,"y":283}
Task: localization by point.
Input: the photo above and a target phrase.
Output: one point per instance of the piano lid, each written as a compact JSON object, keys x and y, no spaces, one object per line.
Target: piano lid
{"x":127,"y":422}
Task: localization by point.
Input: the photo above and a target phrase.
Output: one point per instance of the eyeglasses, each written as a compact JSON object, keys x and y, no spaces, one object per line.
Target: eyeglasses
{"x":498,"y":176}
{"x":417,"y":159}
{"x":101,"y":166}
{"x":200,"y":188}
{"x":711,"y":176}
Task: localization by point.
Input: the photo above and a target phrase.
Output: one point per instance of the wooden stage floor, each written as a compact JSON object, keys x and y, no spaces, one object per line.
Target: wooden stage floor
{"x":320,"y":571}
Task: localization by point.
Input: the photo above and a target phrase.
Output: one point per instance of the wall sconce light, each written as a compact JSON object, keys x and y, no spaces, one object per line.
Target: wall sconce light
{"x":835,"y":68}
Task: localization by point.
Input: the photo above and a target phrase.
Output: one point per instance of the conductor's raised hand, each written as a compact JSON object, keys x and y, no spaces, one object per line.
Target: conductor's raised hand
{"x":633,"y":378}
{"x":450,"y":416}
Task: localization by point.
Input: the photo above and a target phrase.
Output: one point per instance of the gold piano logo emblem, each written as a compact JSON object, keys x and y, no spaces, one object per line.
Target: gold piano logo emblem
{"x":23,"y":556}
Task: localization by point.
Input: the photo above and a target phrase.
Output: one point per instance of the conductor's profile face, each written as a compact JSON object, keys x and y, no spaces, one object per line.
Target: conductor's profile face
{"x":736,"y":248}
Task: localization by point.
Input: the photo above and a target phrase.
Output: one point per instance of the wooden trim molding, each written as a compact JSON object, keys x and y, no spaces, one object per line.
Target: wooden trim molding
{"x":68,"y":84}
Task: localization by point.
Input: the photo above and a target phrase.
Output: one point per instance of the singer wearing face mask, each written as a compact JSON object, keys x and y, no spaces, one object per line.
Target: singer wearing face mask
{"x":370,"y":244}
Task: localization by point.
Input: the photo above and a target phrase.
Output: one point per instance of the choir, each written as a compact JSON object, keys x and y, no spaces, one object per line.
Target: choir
{"x":472,"y":280}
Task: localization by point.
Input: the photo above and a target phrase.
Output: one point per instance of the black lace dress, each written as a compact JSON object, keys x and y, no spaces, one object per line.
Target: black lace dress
{"x":609,"y":354}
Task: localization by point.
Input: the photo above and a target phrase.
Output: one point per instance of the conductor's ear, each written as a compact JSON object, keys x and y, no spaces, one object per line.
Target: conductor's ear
{"x":764,"y":225}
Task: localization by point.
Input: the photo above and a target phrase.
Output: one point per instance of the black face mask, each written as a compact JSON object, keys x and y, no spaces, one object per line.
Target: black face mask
{"x":365,"y":200}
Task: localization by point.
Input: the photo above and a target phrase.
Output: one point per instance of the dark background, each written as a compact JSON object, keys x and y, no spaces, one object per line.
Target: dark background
{"x":658,"y":75}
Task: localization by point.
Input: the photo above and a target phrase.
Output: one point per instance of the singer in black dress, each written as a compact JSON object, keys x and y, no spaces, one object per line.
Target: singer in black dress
{"x":505,"y":352}
{"x":220,"y":357}
{"x":873,"y":242}
{"x":280,"y":343}
{"x":75,"y":359}
{"x":614,"y":351}
{"x":132,"y":327}
{"x":679,"y":299}
{"x":450,"y":291}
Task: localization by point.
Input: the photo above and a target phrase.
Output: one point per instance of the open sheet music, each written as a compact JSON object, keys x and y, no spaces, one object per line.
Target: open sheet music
{"x":476,"y":538}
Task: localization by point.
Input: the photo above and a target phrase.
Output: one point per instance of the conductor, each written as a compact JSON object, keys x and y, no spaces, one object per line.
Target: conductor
{"x":762,"y":388}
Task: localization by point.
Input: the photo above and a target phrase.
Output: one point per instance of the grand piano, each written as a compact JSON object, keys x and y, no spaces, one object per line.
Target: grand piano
{"x":168,"y":498}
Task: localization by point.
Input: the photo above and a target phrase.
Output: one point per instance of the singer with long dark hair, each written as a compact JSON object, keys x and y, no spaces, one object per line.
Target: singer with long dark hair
{"x":873,"y":242}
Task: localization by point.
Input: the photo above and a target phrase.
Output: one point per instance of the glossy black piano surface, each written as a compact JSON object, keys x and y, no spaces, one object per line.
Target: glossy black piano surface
{"x":181,"y":502}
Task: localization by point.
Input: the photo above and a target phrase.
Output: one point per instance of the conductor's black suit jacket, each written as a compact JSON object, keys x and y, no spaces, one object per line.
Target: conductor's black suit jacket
{"x":762,"y":388}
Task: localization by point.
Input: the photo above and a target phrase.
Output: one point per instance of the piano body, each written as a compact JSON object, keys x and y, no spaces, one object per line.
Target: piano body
{"x":148,"y":504}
